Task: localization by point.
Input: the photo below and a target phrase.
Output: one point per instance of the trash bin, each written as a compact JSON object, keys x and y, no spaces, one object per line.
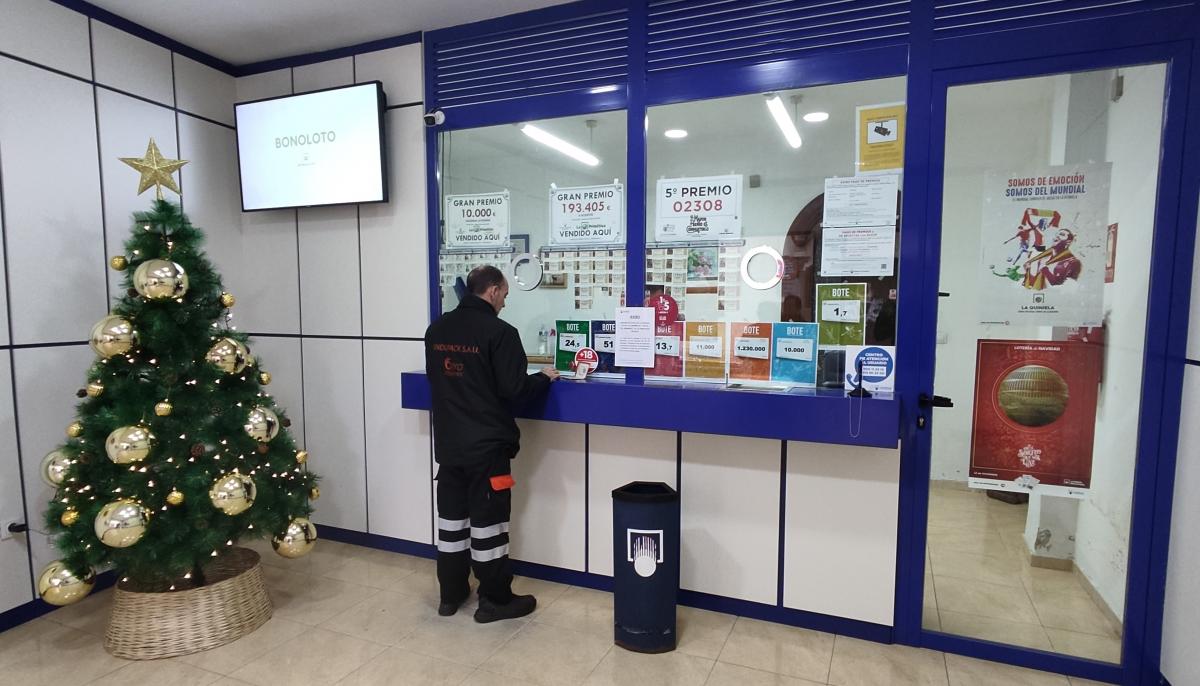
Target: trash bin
{"x":645,"y":566}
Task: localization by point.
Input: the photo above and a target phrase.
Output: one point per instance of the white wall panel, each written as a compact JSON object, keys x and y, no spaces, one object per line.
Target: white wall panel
{"x":729,"y":489}
{"x":281,"y":357}
{"x":211,"y":200}
{"x":313,"y":77}
{"x":46,"y":33}
{"x":840,"y":536}
{"x":398,"y":445}
{"x":268,"y":84}
{"x":52,"y":204}
{"x":333,"y":412}
{"x":202,"y":90}
{"x":398,"y":68}
{"x":1179,"y":662}
{"x":547,"y":505}
{"x":269,"y":301}
{"x":14,"y":554}
{"x":132,"y":64}
{"x":3,"y":293}
{"x":616,"y":456}
{"x":126,"y":125}
{"x":330,"y":295}
{"x":395,"y":262}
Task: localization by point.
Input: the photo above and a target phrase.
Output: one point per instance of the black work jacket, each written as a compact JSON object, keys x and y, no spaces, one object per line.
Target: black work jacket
{"x":477,"y":372}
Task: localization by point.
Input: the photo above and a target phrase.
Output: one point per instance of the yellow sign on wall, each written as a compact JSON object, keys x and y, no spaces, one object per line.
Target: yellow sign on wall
{"x":880,"y":144}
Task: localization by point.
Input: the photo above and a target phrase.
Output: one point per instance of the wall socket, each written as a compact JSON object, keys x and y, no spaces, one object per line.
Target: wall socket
{"x":5,"y":534}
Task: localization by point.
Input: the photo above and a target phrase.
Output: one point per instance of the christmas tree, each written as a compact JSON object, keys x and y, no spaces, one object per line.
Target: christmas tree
{"x":177,"y":451}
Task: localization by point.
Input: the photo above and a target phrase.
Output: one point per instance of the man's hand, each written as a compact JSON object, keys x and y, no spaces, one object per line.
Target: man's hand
{"x":550,"y":372}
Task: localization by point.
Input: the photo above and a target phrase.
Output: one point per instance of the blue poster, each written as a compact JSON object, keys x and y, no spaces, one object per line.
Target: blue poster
{"x":794,"y":356}
{"x":604,"y":342}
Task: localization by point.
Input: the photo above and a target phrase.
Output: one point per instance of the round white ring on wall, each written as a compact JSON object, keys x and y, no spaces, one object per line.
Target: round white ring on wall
{"x":769,"y":283}
{"x":516,"y":280}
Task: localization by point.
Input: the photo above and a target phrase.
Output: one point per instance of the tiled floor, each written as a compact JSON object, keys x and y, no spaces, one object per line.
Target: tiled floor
{"x":350,"y":615}
{"x":978,"y":582}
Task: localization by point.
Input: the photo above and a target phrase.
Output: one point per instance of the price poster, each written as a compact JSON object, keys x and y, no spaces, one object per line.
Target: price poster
{"x":879,"y":143}
{"x":587,"y":215}
{"x":878,"y":366}
{"x":668,"y":350}
{"x":704,"y":350}
{"x":479,"y":220}
{"x":750,"y":351}
{"x":572,"y":337}
{"x":700,"y":208}
{"x":841,"y":312}
{"x":604,"y":342}
{"x":793,"y":353}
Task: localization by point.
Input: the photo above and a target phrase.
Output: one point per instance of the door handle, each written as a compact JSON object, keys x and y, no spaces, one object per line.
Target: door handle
{"x":925,"y":400}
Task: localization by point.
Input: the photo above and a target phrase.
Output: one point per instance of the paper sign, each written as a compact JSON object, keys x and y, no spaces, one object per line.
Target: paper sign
{"x":841,"y":309}
{"x":750,"y":356}
{"x":879,"y":142}
{"x":666,"y":345}
{"x":793,"y":359}
{"x":587,"y":215}
{"x":479,"y":220}
{"x":878,"y":365}
{"x":572,"y":336}
{"x":861,"y":201}
{"x":635,"y":340}
{"x":698,"y":208}
{"x":704,"y":350}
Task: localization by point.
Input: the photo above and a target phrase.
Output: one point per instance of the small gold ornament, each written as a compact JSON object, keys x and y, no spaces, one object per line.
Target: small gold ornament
{"x":314,"y":493}
{"x":229,"y":355}
{"x":69,"y":517}
{"x":227,"y":300}
{"x":174,"y":497}
{"x":233,"y":493}
{"x":296,"y":540}
{"x":75,"y":430}
{"x":155,"y":170}
{"x":163,"y":409}
{"x":95,"y":389}
{"x":301,"y":456}
{"x":128,"y":444}
{"x":54,"y":468}
{"x":121,"y":523}
{"x":112,"y":336}
{"x":119,"y":262}
{"x":160,"y":280}
{"x":261,"y":424}
{"x":264,"y":378}
{"x":58,"y":585}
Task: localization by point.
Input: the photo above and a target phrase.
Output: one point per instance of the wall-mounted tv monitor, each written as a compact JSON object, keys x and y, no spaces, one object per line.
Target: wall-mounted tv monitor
{"x":320,"y":148}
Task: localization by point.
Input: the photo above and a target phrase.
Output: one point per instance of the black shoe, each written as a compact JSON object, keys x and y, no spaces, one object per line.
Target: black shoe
{"x":448,"y":608}
{"x":519,"y":606}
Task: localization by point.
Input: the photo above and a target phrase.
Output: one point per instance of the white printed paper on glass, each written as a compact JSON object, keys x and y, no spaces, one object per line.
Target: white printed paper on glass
{"x":587,"y":215}
{"x":700,"y":208}
{"x":478,"y":220}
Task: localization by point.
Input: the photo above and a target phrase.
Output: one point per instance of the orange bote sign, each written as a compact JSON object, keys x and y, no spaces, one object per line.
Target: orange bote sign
{"x":704,"y":350}
{"x":750,"y":351}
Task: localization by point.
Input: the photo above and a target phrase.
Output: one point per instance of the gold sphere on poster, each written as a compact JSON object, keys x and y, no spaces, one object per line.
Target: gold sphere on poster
{"x":174,"y":497}
{"x":121,"y":523}
{"x":75,"y":429}
{"x":229,"y":355}
{"x":261,"y":424}
{"x":58,"y":585}
{"x":95,"y":389}
{"x":160,"y":280}
{"x":301,"y":456}
{"x":54,"y":468}
{"x":112,"y":336}
{"x":264,"y":378}
{"x":296,"y":540}
{"x":128,"y":444}
{"x":227,"y":300}
{"x":233,"y":493}
{"x":69,"y":517}
{"x":163,"y":409}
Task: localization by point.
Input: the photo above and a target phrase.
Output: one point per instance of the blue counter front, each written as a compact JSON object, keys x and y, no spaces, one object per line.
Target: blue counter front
{"x":817,"y":416}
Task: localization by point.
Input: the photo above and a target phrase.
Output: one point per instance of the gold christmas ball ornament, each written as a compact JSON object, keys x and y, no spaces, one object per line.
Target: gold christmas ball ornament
{"x":174,"y":497}
{"x":1033,"y":395}
{"x":129,"y":444}
{"x":163,"y":409}
{"x":121,"y":523}
{"x":264,"y":378}
{"x":58,"y":585}
{"x":69,"y":517}
{"x":95,"y":389}
{"x":314,"y":493}
{"x":119,"y":262}
{"x":54,"y":468}
{"x":160,"y":280}
{"x":227,"y":300}
{"x":301,"y":456}
{"x":75,"y":430}
{"x":112,"y":336}
{"x":261,"y":424}
{"x":296,"y":540}
{"x":232,"y":493}
{"x":229,"y":355}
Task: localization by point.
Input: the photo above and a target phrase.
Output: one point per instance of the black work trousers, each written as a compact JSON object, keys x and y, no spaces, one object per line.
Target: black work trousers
{"x":473,"y":512}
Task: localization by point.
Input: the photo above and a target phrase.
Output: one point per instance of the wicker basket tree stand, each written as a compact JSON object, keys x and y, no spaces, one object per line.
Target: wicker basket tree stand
{"x":149,"y":624}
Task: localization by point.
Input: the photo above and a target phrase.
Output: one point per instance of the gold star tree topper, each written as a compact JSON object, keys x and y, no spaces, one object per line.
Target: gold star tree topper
{"x":155,"y":169}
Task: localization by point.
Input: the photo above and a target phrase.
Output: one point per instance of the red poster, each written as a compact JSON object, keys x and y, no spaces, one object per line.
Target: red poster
{"x":1110,"y":255}
{"x":668,"y":350}
{"x":1035,"y":412}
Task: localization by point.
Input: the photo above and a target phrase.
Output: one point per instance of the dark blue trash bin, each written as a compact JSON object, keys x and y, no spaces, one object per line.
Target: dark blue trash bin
{"x":645,"y":566}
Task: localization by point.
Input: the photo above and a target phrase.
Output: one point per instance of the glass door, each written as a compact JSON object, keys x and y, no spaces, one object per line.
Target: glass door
{"x":1048,"y":210}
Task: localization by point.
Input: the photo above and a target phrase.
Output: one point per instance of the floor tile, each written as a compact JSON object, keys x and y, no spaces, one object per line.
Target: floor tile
{"x":90,"y":614}
{"x":482,"y":678}
{"x":157,"y":673}
{"x":725,"y":674}
{"x":620,"y":667}
{"x":384,"y":618}
{"x":981,"y":540}
{"x":231,"y":657}
{"x":379,"y":569}
{"x":316,"y":657}
{"x":581,"y":609}
{"x":930,"y":619}
{"x":301,"y":599}
{"x":1002,"y":571}
{"x":1029,"y":635}
{"x":863,"y":663}
{"x":1073,"y":613}
{"x":58,"y":655}
{"x":702,"y":633}
{"x":987,"y":600}
{"x":1103,"y":648}
{"x":460,"y":639}
{"x":550,"y":656}
{"x":1038,"y":580}
{"x":396,"y":667}
{"x":966,"y":671}
{"x":777,"y":648}
{"x":546,"y":592}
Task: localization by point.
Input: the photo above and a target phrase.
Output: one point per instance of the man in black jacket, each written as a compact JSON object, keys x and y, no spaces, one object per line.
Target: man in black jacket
{"x":477,"y":371}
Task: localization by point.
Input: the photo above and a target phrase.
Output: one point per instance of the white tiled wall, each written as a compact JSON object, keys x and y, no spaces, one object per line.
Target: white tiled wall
{"x":547,"y":502}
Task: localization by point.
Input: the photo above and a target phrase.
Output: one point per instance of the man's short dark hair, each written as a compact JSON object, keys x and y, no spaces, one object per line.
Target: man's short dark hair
{"x":482,"y":278}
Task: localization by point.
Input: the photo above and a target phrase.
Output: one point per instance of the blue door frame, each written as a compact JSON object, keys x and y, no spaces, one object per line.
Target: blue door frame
{"x":1174,"y":234}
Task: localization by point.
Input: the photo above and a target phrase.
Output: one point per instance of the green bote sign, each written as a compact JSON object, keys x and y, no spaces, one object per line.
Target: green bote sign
{"x":570,"y":336}
{"x":841,"y":312}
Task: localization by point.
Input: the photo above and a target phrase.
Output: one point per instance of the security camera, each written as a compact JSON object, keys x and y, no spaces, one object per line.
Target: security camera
{"x":435,"y":118}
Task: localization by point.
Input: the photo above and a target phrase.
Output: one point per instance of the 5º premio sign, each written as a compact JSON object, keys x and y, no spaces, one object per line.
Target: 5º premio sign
{"x":478,"y":220}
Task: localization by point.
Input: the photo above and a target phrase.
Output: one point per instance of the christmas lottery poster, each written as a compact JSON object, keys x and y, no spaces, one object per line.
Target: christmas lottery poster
{"x":1035,"y":415}
{"x":1044,"y":235}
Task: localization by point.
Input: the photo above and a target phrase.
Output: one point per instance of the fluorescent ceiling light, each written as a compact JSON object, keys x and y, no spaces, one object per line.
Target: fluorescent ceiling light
{"x":786,"y":125}
{"x":675,"y":133}
{"x":814,"y":117}
{"x":603,"y":89}
{"x":560,"y":145}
